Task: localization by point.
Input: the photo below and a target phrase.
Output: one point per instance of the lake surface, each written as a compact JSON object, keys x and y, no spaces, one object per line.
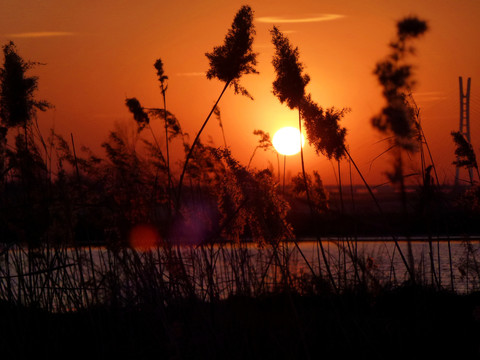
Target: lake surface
{"x":385,"y":261}
{"x":70,"y":278}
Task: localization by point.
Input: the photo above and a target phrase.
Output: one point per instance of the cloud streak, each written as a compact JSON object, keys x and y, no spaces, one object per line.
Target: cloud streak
{"x":430,"y":96}
{"x":39,"y":34}
{"x":283,"y":20}
{"x":191,"y":74}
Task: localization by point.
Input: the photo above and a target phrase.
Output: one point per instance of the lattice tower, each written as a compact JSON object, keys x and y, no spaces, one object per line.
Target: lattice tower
{"x":464,"y":127}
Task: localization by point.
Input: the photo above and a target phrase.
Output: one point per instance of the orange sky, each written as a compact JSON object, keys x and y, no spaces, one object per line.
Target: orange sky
{"x":99,"y":52}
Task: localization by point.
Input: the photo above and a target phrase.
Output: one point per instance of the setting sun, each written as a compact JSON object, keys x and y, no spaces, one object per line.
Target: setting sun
{"x":287,"y":141}
{"x":158,"y":197}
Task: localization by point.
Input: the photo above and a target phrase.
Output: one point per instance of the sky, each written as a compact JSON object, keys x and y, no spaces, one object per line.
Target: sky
{"x":96,"y":53}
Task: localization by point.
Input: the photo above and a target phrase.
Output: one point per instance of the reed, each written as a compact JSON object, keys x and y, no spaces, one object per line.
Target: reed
{"x":222,"y":273}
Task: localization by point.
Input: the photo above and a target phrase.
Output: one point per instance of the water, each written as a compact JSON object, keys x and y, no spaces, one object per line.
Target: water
{"x":71,"y":278}
{"x":384,"y":260}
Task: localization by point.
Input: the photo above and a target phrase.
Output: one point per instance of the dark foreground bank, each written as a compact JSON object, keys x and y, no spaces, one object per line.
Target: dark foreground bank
{"x":407,"y":322}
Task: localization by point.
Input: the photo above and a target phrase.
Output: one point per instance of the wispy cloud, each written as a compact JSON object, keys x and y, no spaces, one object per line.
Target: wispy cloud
{"x":40,"y":34}
{"x":191,"y":74}
{"x":430,"y":96}
{"x":309,"y":19}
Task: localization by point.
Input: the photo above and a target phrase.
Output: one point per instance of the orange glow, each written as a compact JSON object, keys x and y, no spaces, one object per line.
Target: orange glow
{"x":143,"y":237}
{"x":98,"y":53}
{"x":287,"y":141}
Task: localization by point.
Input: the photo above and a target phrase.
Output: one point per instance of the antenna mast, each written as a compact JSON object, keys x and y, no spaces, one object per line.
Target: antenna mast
{"x":464,"y":128}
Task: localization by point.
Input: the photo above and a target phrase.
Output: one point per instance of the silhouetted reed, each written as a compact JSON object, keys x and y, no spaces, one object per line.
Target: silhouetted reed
{"x":228,"y":63}
{"x":397,"y":118}
{"x":464,"y":153}
{"x":90,"y":244}
{"x":289,"y":87}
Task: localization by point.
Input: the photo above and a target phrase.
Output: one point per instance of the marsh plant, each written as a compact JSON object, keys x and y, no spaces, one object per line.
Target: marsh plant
{"x":397,"y":118}
{"x":323,"y":129}
{"x":25,"y":176}
{"x":132,"y":236}
{"x":465,"y":154}
{"x":395,"y":75}
{"x":228,"y":63}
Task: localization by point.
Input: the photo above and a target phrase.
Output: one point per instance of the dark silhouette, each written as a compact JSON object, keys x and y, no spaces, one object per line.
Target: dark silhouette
{"x":138,"y":112}
{"x":289,"y":84}
{"x":228,"y":63}
{"x":319,"y":196}
{"x":172,"y":129}
{"x":92,"y":251}
{"x":464,"y":152}
{"x":24,"y":174}
{"x":397,"y":118}
{"x":289,"y":87}
{"x":323,"y":130}
{"x":162,"y":78}
{"x":17,"y":103}
{"x":265,"y":143}
{"x":395,"y":76}
{"x":235,"y":58}
{"x":218,"y":115}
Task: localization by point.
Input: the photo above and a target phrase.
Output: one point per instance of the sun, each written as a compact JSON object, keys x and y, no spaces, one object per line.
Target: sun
{"x":287,"y":141}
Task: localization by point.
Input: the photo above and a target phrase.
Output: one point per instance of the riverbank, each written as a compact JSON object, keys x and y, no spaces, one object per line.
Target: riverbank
{"x":406,"y":322}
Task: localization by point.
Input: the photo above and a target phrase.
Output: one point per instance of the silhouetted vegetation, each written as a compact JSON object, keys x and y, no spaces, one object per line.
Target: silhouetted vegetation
{"x":127,"y":254}
{"x":323,"y":129}
{"x":235,"y":58}
{"x":464,"y":152}
{"x":229,"y":63}
{"x":289,"y":84}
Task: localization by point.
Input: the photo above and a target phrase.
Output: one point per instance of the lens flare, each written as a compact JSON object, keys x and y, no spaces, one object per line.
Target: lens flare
{"x":144,"y":237}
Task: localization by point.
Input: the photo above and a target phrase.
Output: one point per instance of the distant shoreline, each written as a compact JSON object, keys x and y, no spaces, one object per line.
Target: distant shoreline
{"x":417,"y":238}
{"x":306,"y":239}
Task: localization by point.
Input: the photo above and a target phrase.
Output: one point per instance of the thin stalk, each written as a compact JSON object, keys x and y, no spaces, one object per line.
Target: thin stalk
{"x":221,"y":128}
{"x":448,"y":240}
{"x":343,"y":215}
{"x":355,"y":252}
{"x":410,"y":271}
{"x":403,"y":196}
{"x":156,"y":143}
{"x":468,"y":264}
{"x":439,"y":271}
{"x":9,"y":279}
{"x":430,"y":156}
{"x":312,"y":210}
{"x":167,"y":149}
{"x":251,"y":157}
{"x":92,"y":267}
{"x":426,"y":185}
{"x":75,"y":159}
{"x":452,"y":281}
{"x":342,"y":208}
{"x":190,"y":152}
{"x":434,"y":279}
{"x":278,"y":165}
